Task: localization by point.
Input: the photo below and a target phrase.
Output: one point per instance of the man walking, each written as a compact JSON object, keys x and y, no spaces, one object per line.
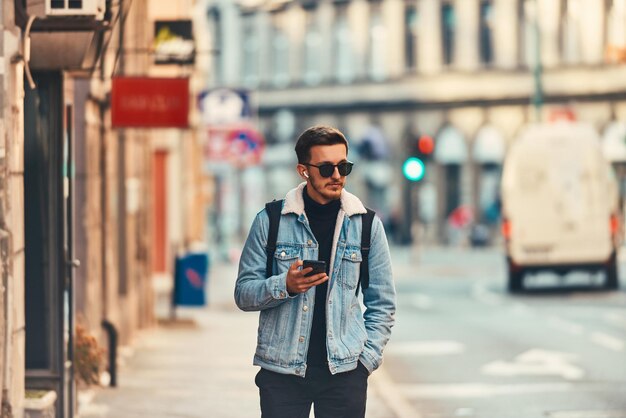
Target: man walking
{"x":315,"y":345}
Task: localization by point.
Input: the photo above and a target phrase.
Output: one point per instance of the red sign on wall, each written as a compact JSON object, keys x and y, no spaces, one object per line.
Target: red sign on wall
{"x":143,"y":102}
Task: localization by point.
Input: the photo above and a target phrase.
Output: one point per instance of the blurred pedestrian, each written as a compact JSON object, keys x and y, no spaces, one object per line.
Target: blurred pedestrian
{"x":314,"y":345}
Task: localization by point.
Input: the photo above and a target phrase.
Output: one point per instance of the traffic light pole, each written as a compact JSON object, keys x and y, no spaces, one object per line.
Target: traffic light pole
{"x":406,"y":235}
{"x":538,"y":70}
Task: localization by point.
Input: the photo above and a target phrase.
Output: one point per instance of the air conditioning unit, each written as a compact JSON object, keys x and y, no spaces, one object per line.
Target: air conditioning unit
{"x":67,"y":8}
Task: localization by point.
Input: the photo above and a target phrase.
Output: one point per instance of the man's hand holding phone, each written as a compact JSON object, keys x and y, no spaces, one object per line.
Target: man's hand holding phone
{"x":312,"y":273}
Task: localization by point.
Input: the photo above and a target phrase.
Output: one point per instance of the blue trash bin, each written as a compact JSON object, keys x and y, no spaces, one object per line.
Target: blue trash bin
{"x":190,"y":279}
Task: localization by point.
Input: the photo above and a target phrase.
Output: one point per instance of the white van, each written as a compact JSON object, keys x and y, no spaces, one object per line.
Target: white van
{"x":560,"y":204}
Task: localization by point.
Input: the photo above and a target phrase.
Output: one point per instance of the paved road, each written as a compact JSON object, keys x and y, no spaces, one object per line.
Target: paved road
{"x":464,"y":347}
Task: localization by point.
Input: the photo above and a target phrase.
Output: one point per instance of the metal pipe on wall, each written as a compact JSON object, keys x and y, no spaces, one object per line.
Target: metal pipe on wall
{"x":5,"y":239}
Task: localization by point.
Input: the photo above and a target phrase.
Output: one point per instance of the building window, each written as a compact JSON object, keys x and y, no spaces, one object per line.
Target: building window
{"x":486,"y":32}
{"x":312,"y":50}
{"x":410,"y":36}
{"x":377,"y":43}
{"x":215,"y":17}
{"x":528,"y":39}
{"x":280,"y":52}
{"x":570,"y":27}
{"x":344,"y":58}
{"x":448,"y":24}
{"x":616,"y":31}
{"x":250,"y":49}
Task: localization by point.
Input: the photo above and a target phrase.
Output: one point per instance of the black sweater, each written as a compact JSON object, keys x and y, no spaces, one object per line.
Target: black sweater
{"x":322,"y":219}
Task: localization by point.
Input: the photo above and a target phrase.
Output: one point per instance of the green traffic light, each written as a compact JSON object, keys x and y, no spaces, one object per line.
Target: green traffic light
{"x":414,"y":169}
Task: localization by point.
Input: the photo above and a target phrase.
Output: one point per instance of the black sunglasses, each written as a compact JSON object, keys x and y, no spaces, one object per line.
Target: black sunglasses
{"x":327,"y":169}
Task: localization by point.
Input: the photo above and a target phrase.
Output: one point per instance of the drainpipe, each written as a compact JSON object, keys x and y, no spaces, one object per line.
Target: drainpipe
{"x":121,"y":171}
{"x":5,"y":239}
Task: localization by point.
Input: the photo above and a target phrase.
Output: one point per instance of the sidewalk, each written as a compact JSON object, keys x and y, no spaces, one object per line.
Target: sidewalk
{"x":199,"y":366}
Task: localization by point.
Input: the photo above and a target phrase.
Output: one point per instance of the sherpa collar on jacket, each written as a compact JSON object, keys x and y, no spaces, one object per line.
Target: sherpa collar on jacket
{"x":294,"y":202}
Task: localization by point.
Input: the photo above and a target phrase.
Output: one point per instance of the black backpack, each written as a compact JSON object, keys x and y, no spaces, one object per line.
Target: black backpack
{"x":274,"y":209}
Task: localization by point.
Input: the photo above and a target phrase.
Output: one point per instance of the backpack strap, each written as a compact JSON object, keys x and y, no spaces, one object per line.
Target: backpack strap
{"x":366,"y":232}
{"x":273,"y":209}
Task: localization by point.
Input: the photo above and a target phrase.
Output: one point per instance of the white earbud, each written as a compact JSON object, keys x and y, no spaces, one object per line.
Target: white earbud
{"x":305,"y":174}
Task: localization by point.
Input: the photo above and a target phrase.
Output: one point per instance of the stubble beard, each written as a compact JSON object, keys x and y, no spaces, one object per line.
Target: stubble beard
{"x":323,"y":189}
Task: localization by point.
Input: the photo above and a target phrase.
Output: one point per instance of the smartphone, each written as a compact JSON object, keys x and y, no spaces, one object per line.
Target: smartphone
{"x":319,"y":266}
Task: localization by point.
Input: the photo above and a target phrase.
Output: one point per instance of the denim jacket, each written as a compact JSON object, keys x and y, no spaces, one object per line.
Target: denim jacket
{"x":285,"y":321}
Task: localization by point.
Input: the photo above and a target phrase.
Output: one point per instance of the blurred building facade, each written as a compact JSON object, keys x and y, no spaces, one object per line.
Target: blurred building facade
{"x":90,"y":214}
{"x":387,"y":71}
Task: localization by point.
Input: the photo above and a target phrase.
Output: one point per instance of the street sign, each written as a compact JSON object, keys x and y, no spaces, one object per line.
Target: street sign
{"x":146,"y":102}
{"x":246,"y":146}
{"x":231,"y":136}
{"x":241,"y":145}
{"x":224,"y":106}
{"x":173,"y":42}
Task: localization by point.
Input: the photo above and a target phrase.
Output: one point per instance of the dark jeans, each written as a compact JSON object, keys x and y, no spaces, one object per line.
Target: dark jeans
{"x":334,"y":396}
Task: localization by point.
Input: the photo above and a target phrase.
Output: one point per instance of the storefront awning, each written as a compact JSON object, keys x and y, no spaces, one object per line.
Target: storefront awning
{"x":489,"y":146}
{"x":614,"y":142}
{"x":450,"y":146}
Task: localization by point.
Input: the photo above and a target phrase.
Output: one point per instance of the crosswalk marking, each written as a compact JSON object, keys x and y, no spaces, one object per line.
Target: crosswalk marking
{"x":422,"y":301}
{"x":616,"y":318}
{"x":566,"y":326}
{"x":481,"y":293}
{"x":426,"y":348}
{"x":608,"y":341}
{"x":588,"y":414}
{"x":485,"y":391}
{"x":536,"y":362}
{"x":479,"y":390}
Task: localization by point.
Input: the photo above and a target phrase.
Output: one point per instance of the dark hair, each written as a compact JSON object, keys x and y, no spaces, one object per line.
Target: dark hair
{"x":317,"y":135}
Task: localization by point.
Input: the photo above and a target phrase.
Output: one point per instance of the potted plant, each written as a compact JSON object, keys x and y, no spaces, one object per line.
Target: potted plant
{"x":39,"y":403}
{"x":88,"y":365}
{"x":88,"y":358}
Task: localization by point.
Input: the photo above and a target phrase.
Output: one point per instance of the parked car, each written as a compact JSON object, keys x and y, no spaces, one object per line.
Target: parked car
{"x":560,"y":204}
